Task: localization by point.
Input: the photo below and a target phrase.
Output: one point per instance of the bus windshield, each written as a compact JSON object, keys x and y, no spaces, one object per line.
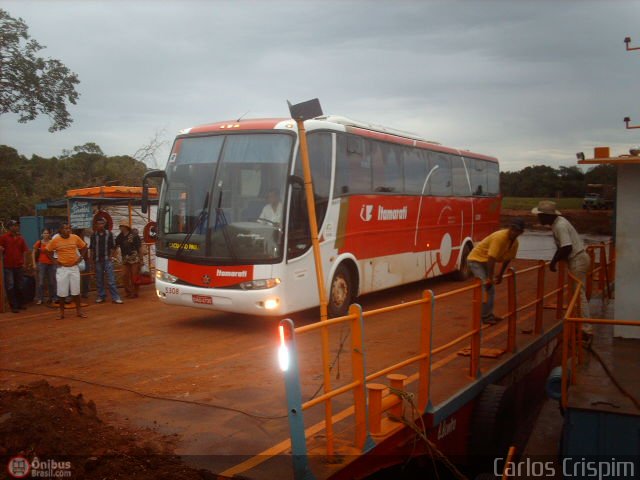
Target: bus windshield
{"x":223,"y":201}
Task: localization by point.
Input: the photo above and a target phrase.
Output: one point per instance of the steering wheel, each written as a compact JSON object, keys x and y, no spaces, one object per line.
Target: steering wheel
{"x":269,"y":222}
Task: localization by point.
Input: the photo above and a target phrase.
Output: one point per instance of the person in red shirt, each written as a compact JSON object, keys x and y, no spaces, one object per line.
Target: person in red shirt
{"x":14,"y":251}
{"x":46,"y":269}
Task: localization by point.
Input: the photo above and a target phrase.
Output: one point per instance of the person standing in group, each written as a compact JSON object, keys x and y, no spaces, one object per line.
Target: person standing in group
{"x":569,"y":248}
{"x":84,"y":234}
{"x":500,"y":246}
{"x":46,"y":269}
{"x":70,"y":250}
{"x":131,"y":252}
{"x":102,"y":251}
{"x":14,"y":250}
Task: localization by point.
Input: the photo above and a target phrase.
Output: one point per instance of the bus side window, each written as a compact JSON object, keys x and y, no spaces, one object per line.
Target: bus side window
{"x":320,"y":151}
{"x":478,"y":174}
{"x":386,"y":163}
{"x":416,"y":168}
{"x":493,"y":179}
{"x":299,"y":236}
{"x":459,"y":175}
{"x":440,"y":180}
{"x":353,"y":168}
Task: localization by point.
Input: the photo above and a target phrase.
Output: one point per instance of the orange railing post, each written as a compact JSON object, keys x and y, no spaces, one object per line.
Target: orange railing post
{"x":513,"y":314}
{"x":359,"y":375}
{"x":590,"y":274}
{"x":507,"y":463}
{"x":612,"y":261}
{"x":565,"y":361}
{"x":540,"y":298}
{"x":560,"y":286}
{"x":426,"y":344}
{"x":602,"y":269}
{"x":474,"y":363}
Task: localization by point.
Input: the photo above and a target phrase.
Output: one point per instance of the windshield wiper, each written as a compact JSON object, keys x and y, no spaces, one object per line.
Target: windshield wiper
{"x":221,"y":221}
{"x":203,"y":214}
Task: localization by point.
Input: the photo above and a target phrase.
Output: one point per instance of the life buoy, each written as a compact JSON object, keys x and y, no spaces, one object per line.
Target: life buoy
{"x":106,"y":217}
{"x":150,"y":232}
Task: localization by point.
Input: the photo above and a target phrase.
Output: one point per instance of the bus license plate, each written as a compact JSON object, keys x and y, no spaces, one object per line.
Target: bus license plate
{"x":202,"y":299}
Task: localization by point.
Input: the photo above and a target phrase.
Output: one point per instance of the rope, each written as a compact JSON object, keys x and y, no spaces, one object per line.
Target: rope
{"x":147,"y":395}
{"x":615,"y":381}
{"x":421,"y":432}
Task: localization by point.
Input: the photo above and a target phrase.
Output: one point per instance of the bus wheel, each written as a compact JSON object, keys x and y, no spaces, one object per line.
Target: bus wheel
{"x":464,"y":273}
{"x":340,"y":293}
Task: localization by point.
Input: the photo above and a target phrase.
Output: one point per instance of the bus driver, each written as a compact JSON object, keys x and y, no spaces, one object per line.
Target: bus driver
{"x":272,"y":211}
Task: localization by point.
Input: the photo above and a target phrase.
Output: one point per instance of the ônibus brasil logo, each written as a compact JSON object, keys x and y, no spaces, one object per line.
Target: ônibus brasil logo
{"x":18,"y":467}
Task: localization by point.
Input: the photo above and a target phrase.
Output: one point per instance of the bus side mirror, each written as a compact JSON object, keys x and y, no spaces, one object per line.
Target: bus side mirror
{"x":296,"y":180}
{"x":144,"y":207}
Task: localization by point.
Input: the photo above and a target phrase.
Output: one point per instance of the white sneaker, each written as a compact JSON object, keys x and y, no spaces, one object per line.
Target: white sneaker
{"x":39,"y":302}
{"x":99,"y":300}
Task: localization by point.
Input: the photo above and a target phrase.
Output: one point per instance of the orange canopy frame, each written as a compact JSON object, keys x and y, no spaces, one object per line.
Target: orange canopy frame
{"x":116,"y":191}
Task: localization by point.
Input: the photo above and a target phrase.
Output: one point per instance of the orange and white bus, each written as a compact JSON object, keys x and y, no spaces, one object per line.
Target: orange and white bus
{"x":391,"y":208}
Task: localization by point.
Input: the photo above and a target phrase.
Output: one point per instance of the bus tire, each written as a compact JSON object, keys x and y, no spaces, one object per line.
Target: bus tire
{"x":492,"y":425}
{"x":463,"y":273}
{"x":340,"y":292}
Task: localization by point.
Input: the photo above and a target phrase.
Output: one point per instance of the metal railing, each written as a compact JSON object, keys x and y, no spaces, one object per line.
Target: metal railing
{"x":367,"y":415}
{"x":572,"y":333}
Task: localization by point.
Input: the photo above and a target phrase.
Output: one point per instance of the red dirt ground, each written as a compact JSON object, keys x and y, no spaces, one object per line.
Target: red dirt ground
{"x":48,"y":422}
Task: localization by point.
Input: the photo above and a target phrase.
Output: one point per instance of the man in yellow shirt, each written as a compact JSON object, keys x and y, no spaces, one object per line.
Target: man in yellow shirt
{"x":500,"y":246}
{"x":71,"y":250}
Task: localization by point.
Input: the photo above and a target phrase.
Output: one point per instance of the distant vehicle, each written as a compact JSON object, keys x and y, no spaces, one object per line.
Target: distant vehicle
{"x":391,"y":207}
{"x":599,"y":197}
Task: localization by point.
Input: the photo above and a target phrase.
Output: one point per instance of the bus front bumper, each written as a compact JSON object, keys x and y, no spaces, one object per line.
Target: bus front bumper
{"x":252,"y":302}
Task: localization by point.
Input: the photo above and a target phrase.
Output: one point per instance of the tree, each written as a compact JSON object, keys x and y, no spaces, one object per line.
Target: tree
{"x":147,"y":154}
{"x":31,"y":85}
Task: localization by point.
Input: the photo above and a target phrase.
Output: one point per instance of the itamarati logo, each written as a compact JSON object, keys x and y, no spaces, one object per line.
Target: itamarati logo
{"x":20,"y":467}
{"x":366,"y":213}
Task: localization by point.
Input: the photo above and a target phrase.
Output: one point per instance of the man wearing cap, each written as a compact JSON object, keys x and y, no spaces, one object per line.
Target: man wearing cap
{"x":569,"y":248}
{"x":500,"y":246}
{"x":130,"y":250}
{"x":14,"y":250}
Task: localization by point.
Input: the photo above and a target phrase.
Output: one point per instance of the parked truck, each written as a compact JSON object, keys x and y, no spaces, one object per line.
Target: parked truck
{"x":599,"y":196}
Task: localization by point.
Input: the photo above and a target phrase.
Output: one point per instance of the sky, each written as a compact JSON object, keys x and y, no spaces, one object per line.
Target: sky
{"x":530,"y":82}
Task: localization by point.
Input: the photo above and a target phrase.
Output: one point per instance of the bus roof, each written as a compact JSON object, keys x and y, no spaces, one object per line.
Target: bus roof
{"x":333,"y":122}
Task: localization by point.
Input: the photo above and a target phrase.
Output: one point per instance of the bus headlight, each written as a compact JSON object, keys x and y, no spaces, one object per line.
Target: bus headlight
{"x":260,"y":284}
{"x":165,"y":277}
{"x":271,"y":303}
